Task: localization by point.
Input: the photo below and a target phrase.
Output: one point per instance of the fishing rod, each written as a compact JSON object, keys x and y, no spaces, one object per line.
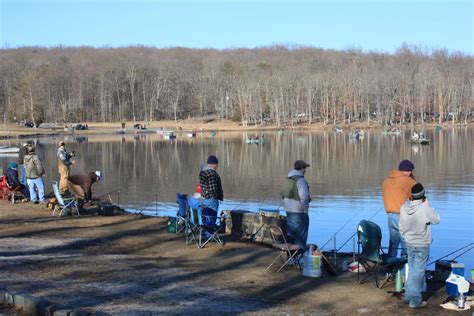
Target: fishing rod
{"x":464,"y":252}
{"x":471,"y":245}
{"x":344,"y":225}
{"x":378,"y":211}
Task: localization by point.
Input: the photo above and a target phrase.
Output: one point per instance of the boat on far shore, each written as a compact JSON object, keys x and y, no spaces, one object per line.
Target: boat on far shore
{"x":254,"y":140}
{"x":9,"y":150}
{"x":421,"y":141}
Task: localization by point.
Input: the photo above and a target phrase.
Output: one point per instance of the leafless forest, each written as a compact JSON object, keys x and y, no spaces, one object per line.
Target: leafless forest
{"x":274,"y":85}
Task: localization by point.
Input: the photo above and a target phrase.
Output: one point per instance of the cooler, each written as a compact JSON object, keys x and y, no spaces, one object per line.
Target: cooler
{"x":444,"y":268}
{"x":456,"y":285}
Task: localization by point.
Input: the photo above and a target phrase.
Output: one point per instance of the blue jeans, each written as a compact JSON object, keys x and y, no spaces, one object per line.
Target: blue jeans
{"x":396,"y":238}
{"x":297,"y":225}
{"x":22,"y":174}
{"x":38,"y":182}
{"x":417,"y":259}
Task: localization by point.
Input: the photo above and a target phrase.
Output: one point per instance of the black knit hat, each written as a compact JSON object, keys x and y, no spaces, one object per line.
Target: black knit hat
{"x":417,"y":191}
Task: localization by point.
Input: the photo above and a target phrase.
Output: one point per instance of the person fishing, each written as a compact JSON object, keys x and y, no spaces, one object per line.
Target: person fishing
{"x":211,"y":185}
{"x":81,"y":184}
{"x":21,"y":167}
{"x":296,"y":198}
{"x":396,"y":190}
{"x":34,"y":173}
{"x":64,"y":166}
{"x":416,"y":218}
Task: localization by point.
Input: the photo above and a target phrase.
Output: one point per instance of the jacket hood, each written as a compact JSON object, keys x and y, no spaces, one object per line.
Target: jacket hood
{"x":295,"y":172}
{"x":412,"y":206}
{"x":396,"y":174}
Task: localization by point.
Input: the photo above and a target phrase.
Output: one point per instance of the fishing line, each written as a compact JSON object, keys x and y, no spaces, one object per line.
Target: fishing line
{"x":344,"y":225}
{"x":451,"y":253}
{"x":381,"y":208}
{"x":464,"y":252}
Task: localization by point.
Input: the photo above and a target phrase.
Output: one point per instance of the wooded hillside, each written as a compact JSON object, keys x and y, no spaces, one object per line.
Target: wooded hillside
{"x":268,"y":85}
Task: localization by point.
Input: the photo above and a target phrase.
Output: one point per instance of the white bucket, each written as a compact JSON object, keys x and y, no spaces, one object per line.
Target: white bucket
{"x":312,"y":265}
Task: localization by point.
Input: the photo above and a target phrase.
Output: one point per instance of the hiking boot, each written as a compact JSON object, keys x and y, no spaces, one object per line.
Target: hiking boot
{"x":421,"y":305}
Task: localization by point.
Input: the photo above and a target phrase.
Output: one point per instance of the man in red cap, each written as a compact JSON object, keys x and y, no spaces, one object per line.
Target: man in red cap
{"x":396,"y":190}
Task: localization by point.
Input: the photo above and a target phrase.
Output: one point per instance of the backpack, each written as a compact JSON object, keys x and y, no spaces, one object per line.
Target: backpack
{"x":290,"y":189}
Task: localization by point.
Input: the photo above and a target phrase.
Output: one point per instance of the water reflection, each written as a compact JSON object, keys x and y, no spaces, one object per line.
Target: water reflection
{"x":345,"y":176}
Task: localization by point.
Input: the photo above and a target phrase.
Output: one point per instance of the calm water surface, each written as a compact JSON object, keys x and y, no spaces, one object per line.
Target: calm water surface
{"x":345,"y":176}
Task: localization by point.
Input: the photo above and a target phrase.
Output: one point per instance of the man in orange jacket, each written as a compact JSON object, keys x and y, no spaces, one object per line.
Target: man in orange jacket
{"x":396,"y":190}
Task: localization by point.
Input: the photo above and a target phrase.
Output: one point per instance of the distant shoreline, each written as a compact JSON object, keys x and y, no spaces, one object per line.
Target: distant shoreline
{"x":11,"y":130}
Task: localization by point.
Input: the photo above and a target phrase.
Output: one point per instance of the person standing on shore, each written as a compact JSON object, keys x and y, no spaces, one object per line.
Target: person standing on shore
{"x":296,"y":198}
{"x":211,"y":185}
{"x":64,"y":166}
{"x":416,"y":218}
{"x":34,"y":173}
{"x":21,"y":166}
{"x":396,"y":190}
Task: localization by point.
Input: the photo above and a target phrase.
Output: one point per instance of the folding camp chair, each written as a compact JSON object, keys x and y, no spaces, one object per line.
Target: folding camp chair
{"x":64,"y":204}
{"x":7,"y":192}
{"x":293,"y":252}
{"x":182,"y":213}
{"x":204,"y":224}
{"x":372,"y":258}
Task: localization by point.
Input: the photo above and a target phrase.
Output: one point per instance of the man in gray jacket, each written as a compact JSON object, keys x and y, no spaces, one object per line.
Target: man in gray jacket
{"x":416,"y":218}
{"x":295,"y":193}
{"x":34,"y":172}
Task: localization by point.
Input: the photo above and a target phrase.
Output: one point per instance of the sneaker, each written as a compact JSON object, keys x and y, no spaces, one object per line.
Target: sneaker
{"x":35,"y":202}
{"x":422,"y":304}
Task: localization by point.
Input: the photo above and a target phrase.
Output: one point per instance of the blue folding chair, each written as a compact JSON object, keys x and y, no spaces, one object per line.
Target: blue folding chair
{"x":182,"y":212}
{"x":205,"y":225}
{"x":64,"y":204}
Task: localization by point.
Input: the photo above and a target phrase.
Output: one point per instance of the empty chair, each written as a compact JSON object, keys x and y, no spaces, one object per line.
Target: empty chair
{"x":293,"y":252}
{"x":372,"y":257}
{"x":64,"y":204}
{"x":182,"y":212}
{"x":204,"y":224}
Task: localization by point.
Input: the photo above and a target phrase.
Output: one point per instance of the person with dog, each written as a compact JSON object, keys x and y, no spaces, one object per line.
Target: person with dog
{"x":81,"y":184}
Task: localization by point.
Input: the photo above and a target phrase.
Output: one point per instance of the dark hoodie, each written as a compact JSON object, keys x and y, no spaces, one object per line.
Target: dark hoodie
{"x":416,"y":218}
{"x":85,"y":181}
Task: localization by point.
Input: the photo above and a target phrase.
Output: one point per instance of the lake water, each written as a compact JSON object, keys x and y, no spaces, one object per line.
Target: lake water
{"x":345,"y":176}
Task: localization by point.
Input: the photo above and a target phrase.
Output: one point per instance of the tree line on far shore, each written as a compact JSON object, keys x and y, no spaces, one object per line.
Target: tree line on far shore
{"x":275,"y":85}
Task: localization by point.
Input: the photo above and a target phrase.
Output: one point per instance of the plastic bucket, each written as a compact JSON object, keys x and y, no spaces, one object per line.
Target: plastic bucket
{"x":312,"y":265}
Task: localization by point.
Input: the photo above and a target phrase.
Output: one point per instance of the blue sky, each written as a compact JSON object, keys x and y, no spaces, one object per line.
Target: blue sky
{"x":368,"y":25}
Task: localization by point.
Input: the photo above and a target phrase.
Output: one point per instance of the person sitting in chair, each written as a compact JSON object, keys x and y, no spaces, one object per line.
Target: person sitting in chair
{"x":81,"y":184}
{"x":11,"y":173}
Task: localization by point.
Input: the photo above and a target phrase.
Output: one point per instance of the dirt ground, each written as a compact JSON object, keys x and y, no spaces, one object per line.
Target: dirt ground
{"x":127,"y":263}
